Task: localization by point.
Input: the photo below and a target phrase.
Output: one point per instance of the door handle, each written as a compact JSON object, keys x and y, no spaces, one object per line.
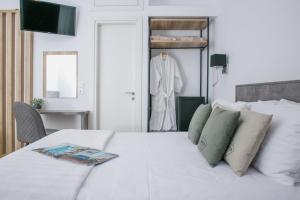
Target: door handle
{"x":130,"y":93}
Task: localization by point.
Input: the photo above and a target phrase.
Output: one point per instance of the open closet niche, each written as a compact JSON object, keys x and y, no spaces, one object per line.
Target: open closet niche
{"x":178,"y":61}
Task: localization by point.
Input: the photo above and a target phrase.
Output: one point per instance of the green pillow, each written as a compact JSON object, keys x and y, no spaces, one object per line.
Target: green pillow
{"x":217,"y":134}
{"x":198,"y":122}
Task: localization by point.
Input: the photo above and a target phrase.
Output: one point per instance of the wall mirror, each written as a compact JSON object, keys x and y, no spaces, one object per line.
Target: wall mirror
{"x":60,"y":74}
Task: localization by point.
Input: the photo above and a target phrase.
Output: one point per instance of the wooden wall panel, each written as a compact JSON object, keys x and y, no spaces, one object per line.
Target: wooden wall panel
{"x":28,"y":62}
{"x":16,"y":75}
{"x":18,"y":71}
{"x":2,"y":110}
{"x":9,"y":81}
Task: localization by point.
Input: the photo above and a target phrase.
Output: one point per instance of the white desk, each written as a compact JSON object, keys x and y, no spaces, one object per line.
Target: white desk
{"x":84,"y":115}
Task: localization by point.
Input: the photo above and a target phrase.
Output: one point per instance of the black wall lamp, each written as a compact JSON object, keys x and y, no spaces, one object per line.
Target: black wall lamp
{"x":219,"y":61}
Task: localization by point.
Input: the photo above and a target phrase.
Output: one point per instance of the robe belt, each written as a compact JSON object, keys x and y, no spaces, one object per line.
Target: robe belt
{"x":167,"y":100}
{"x":168,"y":106}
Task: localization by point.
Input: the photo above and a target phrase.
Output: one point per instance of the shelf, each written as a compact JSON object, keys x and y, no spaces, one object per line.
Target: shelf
{"x":160,"y":44}
{"x":178,"y":23}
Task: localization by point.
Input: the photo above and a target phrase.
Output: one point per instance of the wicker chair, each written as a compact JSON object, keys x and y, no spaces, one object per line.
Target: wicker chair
{"x":30,"y":126}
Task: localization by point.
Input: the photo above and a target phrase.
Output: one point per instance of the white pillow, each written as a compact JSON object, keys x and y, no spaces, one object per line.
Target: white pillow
{"x":273,"y":102}
{"x":288,"y":102}
{"x":279,"y":156}
{"x":236,"y":106}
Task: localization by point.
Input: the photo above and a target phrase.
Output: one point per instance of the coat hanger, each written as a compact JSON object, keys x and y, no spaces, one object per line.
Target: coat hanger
{"x":164,"y":54}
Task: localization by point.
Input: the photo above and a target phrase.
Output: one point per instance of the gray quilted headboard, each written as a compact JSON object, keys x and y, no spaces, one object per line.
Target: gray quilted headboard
{"x":269,"y":91}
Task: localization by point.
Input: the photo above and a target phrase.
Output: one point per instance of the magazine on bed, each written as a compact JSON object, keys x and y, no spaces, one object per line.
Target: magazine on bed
{"x":78,"y":154}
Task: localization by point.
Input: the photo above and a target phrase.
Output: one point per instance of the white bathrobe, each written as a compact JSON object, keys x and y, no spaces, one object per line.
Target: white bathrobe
{"x":165,"y":80}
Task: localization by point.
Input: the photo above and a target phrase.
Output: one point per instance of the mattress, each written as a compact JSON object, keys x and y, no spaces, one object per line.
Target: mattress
{"x":168,"y":167}
{"x":156,"y":166}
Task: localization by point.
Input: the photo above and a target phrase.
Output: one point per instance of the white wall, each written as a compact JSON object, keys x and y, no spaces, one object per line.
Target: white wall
{"x":83,"y":43}
{"x":261,"y":38}
{"x":9,"y":4}
{"x":50,"y":42}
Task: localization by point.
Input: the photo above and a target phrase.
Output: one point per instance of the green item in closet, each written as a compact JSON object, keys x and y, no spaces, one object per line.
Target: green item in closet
{"x":185,"y":109}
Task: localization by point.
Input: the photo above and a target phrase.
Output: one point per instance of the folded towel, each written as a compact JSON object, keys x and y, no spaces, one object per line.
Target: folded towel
{"x":181,"y":38}
{"x":190,"y":38}
{"x":165,"y":38}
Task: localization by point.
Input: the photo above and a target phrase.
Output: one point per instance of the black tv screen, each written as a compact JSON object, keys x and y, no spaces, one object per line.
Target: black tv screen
{"x":47,"y":17}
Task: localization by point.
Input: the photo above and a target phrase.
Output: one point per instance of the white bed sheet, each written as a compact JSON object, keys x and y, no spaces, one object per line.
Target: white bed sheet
{"x":168,"y":167}
{"x":28,"y":175}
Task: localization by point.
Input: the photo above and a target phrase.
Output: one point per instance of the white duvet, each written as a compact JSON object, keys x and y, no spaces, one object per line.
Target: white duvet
{"x":28,"y":175}
{"x":149,"y":167}
{"x":168,"y":167}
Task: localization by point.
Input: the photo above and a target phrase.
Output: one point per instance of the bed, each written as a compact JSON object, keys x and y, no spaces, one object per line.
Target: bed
{"x":150,"y":167}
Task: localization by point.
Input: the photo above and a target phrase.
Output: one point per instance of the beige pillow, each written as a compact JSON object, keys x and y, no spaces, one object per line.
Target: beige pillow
{"x":247,"y":140}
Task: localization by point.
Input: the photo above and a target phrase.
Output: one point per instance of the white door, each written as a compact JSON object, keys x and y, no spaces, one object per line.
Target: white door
{"x":119,"y":73}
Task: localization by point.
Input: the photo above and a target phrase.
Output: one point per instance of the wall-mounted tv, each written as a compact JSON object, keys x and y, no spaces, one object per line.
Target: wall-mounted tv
{"x":47,"y":17}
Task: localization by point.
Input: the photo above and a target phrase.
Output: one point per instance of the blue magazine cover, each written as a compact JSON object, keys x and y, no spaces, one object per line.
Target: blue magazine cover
{"x":79,"y":154}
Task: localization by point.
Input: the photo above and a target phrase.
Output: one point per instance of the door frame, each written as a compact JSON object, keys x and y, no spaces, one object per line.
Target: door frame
{"x":138,"y":22}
